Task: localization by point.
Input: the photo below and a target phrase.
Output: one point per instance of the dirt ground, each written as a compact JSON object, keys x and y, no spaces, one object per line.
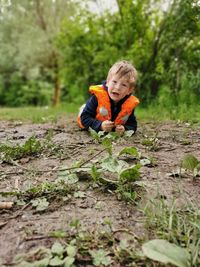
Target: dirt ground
{"x":22,"y":228}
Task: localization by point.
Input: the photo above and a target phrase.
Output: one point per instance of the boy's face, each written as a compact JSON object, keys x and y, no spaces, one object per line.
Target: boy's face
{"x":118,"y":87}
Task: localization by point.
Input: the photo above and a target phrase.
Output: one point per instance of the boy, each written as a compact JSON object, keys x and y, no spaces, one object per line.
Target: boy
{"x":111,"y":106}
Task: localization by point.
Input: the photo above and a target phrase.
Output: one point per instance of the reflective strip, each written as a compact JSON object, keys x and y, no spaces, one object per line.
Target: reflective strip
{"x":103,"y":111}
{"x":81,"y":109}
{"x":125,"y":118}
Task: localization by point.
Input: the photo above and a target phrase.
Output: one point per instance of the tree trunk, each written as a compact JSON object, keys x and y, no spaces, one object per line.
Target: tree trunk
{"x":57,"y":91}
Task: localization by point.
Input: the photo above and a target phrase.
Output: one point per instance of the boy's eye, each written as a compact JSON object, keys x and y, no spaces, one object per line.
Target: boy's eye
{"x":114,"y":81}
{"x":124,"y":85}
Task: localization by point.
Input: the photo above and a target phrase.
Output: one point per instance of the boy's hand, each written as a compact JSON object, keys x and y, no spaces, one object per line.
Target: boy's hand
{"x":120,"y":129}
{"x":107,"y":126}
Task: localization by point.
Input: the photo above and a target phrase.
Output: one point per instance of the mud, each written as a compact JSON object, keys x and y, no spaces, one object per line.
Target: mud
{"x":22,"y":228}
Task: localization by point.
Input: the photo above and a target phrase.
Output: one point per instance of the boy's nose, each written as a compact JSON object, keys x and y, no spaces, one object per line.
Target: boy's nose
{"x":117,"y":86}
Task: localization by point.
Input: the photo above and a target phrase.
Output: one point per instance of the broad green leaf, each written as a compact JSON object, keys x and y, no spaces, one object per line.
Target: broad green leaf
{"x":113,"y":165}
{"x":71,"y":250}
{"x":25,"y":264}
{"x":129,"y":150}
{"x":121,"y":165}
{"x":79,"y":194}
{"x":67,"y":178}
{"x":145,"y":162}
{"x":130,"y":174}
{"x":109,"y":164}
{"x":63,"y":171}
{"x":129,"y":133}
{"x":40,"y":204}
{"x":101,"y":133}
{"x":20,"y":202}
{"x":57,"y":248}
{"x":165,"y":252}
{"x":189,"y":162}
{"x":123,"y":244}
{"x":100,"y":257}
{"x":40,"y":263}
{"x":98,"y":205}
{"x":94,"y":134}
{"x":68,"y":261}
{"x":58,"y":233}
{"x":107,"y":143}
{"x":112,"y":136}
{"x":95,"y":173}
{"x":43,"y":204}
{"x":56,"y":261}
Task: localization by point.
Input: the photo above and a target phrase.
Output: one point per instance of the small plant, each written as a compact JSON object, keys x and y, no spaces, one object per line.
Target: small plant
{"x":165,"y":252}
{"x":31,"y":147}
{"x":152,"y":143}
{"x":81,"y":248}
{"x":100,"y":257}
{"x":177,"y":226}
{"x":58,"y":255}
{"x":123,"y":175}
{"x":40,"y":204}
{"x":41,"y":195}
{"x":191,"y":163}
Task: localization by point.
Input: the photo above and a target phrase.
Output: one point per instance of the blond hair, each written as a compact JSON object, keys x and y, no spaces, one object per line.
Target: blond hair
{"x":124,"y":68}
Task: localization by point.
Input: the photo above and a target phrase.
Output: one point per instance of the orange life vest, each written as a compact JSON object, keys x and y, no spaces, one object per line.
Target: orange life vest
{"x":103,"y":111}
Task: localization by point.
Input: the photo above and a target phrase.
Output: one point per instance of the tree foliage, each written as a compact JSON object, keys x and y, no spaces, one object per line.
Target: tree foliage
{"x":48,"y":43}
{"x":29,"y":60}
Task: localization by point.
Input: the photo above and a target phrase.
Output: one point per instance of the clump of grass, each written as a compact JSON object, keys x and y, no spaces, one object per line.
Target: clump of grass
{"x":83,"y":248}
{"x":37,"y":114}
{"x":180,"y":226}
{"x":31,"y":147}
{"x":157,"y":112}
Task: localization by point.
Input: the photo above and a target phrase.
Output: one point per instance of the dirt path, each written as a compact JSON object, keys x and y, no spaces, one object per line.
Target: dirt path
{"x":22,"y":228}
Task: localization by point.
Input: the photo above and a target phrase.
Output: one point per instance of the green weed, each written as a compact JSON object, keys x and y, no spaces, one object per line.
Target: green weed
{"x":31,"y":147}
{"x":180,"y":226}
{"x":123,"y":176}
{"x":151,"y":113}
{"x":152,"y":143}
{"x":42,"y":195}
{"x":37,"y":114}
{"x":192,"y":164}
{"x":99,"y":248}
{"x":156,"y":112}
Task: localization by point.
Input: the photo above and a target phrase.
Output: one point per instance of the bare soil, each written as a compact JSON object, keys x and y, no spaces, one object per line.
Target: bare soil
{"x":22,"y":228}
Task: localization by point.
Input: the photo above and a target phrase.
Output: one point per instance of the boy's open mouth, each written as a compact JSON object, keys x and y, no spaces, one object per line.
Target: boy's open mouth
{"x":115,"y":94}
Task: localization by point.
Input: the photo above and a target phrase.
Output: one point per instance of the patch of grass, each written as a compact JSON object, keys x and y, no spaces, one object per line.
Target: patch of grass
{"x":180,"y":226}
{"x":84,"y":248}
{"x":37,"y":114}
{"x":153,"y":112}
{"x":31,"y":147}
{"x":159,"y":113}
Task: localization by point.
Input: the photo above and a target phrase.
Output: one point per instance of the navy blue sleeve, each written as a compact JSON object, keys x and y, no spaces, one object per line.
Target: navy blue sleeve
{"x":131,"y":123}
{"x":88,"y":114}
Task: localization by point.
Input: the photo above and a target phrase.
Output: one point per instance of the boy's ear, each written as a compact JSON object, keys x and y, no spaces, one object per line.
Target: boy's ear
{"x":131,"y":90}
